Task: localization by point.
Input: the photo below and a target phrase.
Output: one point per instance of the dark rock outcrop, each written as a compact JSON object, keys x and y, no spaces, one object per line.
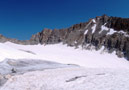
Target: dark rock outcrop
{"x":110,"y":32}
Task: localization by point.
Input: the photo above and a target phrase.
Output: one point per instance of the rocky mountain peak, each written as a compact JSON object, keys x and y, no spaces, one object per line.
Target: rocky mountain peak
{"x":112,"y":33}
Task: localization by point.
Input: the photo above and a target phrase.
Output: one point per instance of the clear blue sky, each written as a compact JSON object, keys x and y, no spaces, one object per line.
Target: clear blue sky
{"x":22,"y":18}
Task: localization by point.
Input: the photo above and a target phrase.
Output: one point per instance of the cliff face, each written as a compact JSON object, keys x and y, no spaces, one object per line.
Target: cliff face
{"x":110,"y":32}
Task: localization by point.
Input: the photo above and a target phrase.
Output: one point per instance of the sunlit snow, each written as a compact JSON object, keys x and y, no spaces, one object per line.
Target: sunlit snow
{"x":100,"y":71}
{"x":63,"y":54}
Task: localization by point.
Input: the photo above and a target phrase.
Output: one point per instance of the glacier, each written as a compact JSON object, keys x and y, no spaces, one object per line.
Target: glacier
{"x":59,"y":67}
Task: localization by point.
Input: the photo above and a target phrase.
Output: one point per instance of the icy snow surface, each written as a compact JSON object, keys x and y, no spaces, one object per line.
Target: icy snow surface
{"x":70,"y":79}
{"x":100,"y":71}
{"x":26,"y":65}
{"x":63,"y":54}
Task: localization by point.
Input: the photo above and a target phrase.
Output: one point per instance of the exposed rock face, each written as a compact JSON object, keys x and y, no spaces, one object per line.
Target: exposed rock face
{"x":4,"y":39}
{"x":110,"y":32}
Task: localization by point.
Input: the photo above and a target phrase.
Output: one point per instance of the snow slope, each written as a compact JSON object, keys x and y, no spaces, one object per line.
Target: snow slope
{"x":62,"y":54}
{"x":100,"y":71}
{"x":70,"y":79}
{"x":21,"y":66}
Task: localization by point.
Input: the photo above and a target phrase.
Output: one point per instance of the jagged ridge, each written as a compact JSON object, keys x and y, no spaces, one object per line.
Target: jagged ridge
{"x":110,"y":32}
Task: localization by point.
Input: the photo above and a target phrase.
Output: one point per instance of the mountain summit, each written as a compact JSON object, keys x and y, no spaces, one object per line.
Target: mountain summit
{"x":110,"y":32}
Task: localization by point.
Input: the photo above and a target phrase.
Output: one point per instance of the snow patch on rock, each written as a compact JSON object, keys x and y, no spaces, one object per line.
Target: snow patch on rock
{"x":93,"y":28}
{"x":85,"y":32}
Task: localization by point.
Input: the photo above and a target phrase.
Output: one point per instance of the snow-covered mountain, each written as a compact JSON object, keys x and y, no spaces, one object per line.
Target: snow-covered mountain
{"x":87,"y":56}
{"x":110,"y":32}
